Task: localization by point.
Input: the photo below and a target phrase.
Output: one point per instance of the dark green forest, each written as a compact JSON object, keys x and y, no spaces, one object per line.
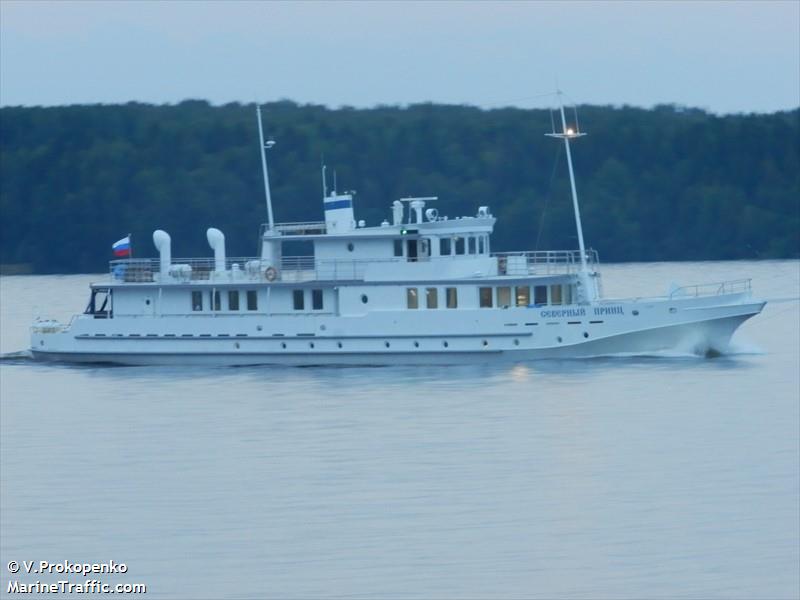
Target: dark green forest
{"x":667,"y":183}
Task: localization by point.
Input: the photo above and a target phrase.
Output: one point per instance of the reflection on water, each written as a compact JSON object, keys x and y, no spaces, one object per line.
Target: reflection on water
{"x":656,"y":477}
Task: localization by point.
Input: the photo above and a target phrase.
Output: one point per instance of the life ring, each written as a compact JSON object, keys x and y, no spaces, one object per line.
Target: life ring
{"x":271,"y":273}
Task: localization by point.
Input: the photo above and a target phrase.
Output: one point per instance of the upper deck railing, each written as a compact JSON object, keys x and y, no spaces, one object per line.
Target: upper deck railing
{"x":543,"y":262}
{"x":301,"y":228}
{"x":309,"y":268}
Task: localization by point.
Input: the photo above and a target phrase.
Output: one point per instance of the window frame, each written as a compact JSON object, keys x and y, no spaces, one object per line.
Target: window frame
{"x":298,"y":300}
{"x":412,"y":298}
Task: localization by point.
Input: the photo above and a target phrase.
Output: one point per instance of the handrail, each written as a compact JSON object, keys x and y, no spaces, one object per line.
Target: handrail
{"x":717,"y":288}
{"x":298,"y":228}
{"x":309,"y":268}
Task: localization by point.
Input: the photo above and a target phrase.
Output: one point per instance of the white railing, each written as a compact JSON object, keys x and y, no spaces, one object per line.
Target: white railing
{"x":543,"y":262}
{"x":300,"y":228}
{"x":308,"y":268}
{"x":736,"y":286}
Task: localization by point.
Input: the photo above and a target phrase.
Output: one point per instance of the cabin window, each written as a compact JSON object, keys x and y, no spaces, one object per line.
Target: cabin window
{"x":452,"y":297}
{"x":398,"y":247}
{"x":412,"y":251}
{"x":316,"y":299}
{"x":412,"y":301}
{"x":424,"y":247}
{"x":252,"y":300}
{"x":485,"y":297}
{"x":481,"y":247}
{"x":233,"y":300}
{"x":567,"y":294}
{"x":523,"y":295}
{"x":350,"y":247}
{"x":540,"y":295}
{"x":297,"y":297}
{"x":431,"y":298}
{"x":471,"y":245}
{"x":215,"y":300}
{"x":459,"y":245}
{"x":444,"y":246}
{"x":197,"y":301}
{"x":504,"y":297}
{"x":555,"y":294}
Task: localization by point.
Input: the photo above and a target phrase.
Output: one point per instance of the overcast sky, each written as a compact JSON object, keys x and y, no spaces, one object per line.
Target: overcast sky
{"x":724,"y":56}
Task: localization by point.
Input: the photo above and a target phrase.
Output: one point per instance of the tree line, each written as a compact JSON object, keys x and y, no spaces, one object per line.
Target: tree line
{"x":667,"y":183}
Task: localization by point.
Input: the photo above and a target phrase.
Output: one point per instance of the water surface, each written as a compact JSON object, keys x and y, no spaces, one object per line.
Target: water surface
{"x":606,"y":478}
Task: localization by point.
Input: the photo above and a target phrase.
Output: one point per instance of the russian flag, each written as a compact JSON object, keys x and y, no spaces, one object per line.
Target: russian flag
{"x":122,"y":247}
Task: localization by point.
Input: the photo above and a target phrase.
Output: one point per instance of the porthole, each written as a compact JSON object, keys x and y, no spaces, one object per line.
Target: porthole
{"x":236,"y":345}
{"x":416,"y":344}
{"x":259,"y":328}
{"x":673,"y":310}
{"x":350,"y":247}
{"x":387,"y":344}
{"x":283,"y":345}
{"x":559,"y":339}
{"x":635,"y":313}
{"x":364,"y":298}
{"x":310,"y":344}
{"x":445,"y":344}
{"x":41,"y":342}
{"x":585,"y":334}
{"x":322,"y":328}
{"x":147,"y":302}
{"x":339,"y":344}
{"x":485,"y":343}
{"x":516,"y":342}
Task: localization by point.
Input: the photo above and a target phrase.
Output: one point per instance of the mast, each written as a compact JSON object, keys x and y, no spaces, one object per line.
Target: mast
{"x":264,"y":167}
{"x":566,"y":134}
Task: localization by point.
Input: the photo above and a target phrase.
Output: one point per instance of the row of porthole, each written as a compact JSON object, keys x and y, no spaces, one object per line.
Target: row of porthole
{"x":445,"y":344}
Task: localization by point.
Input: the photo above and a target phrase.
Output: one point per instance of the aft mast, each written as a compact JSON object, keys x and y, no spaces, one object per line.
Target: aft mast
{"x":264,"y":147}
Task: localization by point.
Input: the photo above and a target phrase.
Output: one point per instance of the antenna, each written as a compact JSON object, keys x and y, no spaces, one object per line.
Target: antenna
{"x":566,"y":134}
{"x":263,"y":147}
{"x":324,"y":181}
{"x":334,"y":181}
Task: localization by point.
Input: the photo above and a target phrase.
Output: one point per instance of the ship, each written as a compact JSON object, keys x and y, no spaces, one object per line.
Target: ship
{"x":419,"y":288}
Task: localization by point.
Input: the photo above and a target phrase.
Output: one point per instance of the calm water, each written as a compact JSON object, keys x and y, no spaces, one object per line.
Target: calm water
{"x":616,"y":478}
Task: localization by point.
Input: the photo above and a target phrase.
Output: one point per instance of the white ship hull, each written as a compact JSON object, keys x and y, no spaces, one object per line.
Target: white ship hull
{"x":701,"y":326}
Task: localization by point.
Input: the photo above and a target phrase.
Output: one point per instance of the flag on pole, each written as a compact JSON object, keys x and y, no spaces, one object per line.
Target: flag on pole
{"x":122,"y":247}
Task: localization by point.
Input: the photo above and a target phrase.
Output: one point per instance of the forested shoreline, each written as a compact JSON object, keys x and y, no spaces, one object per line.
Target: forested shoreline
{"x":666,"y":183}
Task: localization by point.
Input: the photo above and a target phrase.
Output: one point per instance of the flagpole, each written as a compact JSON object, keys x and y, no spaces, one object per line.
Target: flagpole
{"x":130,"y":244}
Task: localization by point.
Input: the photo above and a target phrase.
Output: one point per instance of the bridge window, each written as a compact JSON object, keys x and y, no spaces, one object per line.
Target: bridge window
{"x":485,"y":297}
{"x":215,"y":300}
{"x":540,"y":295}
{"x":398,"y":247}
{"x":298,"y":300}
{"x":252,"y":300}
{"x":503,"y":297}
{"x":444,"y":246}
{"x":233,"y":300}
{"x":452,"y":297}
{"x":412,"y":301}
{"x":431,"y":298}
{"x":197,"y":301}
{"x":567,"y":294}
{"x":316,"y":299}
{"x":471,"y":245}
{"x":555,"y":294}
{"x":523,"y":295}
{"x":481,"y":247}
{"x":459,"y":245}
